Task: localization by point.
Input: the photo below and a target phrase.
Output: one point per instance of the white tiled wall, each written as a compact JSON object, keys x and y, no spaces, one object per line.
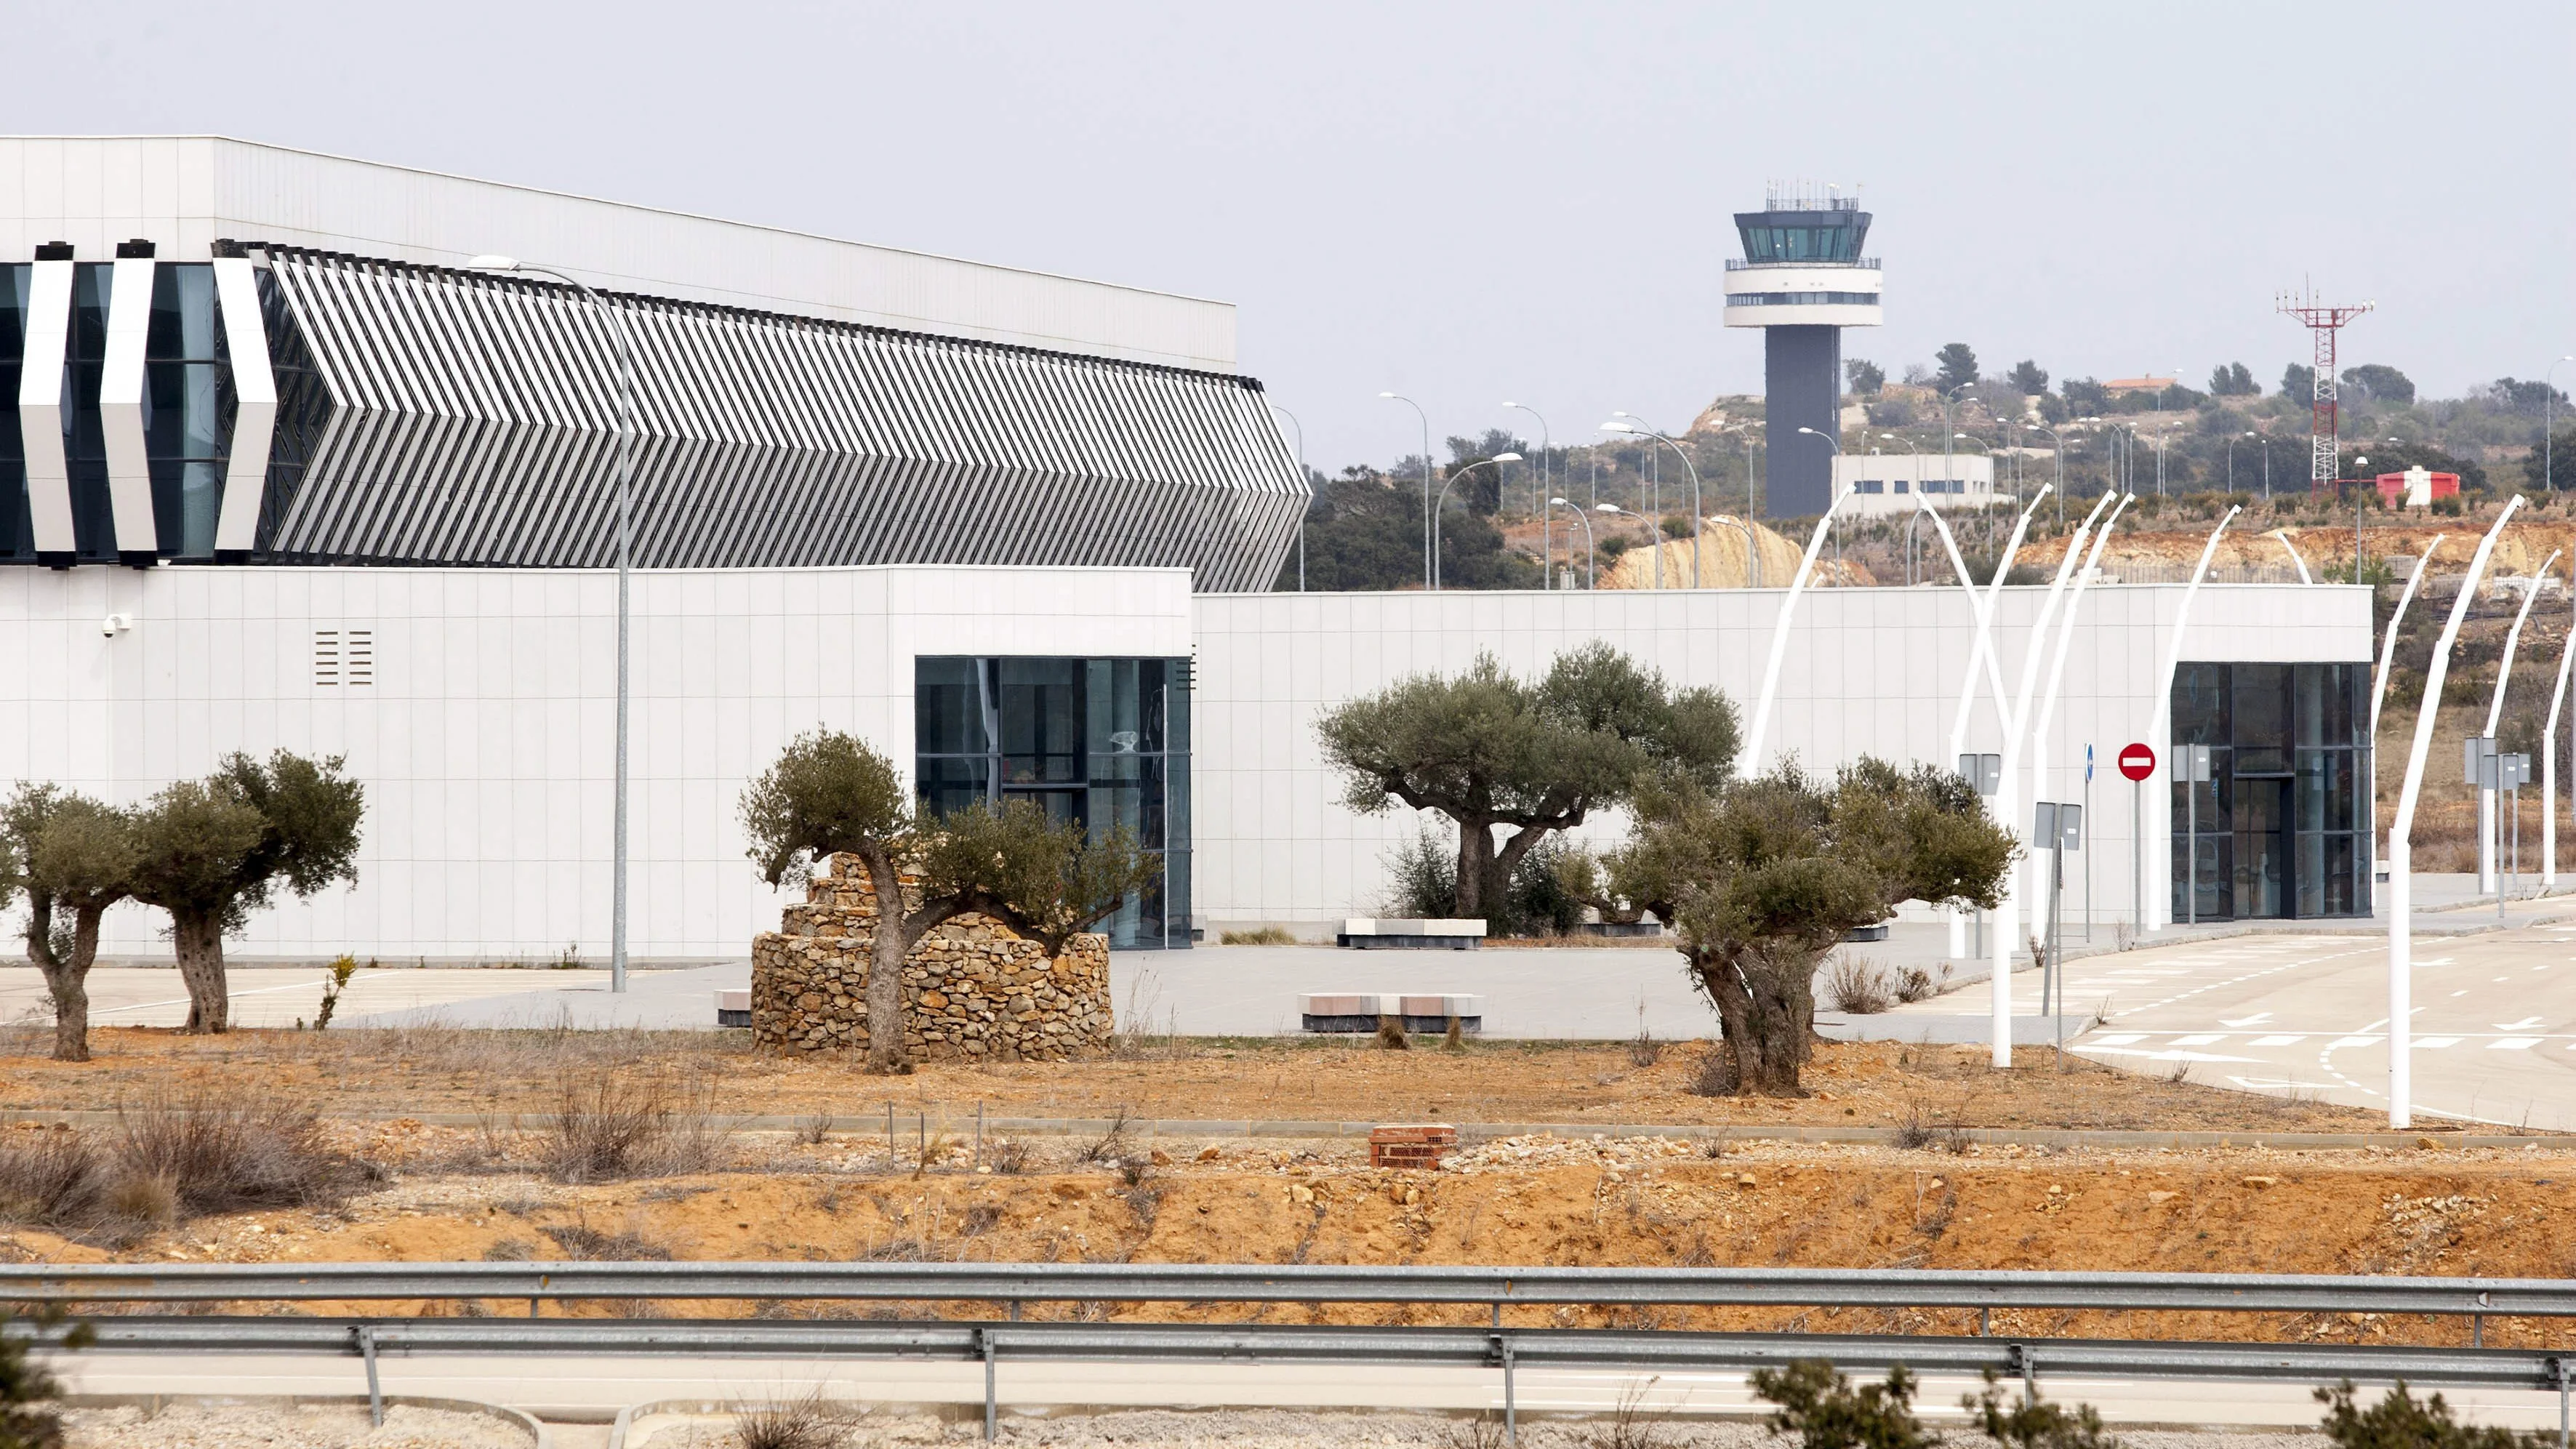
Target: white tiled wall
{"x":486,"y":742}
{"x":1868,"y":671}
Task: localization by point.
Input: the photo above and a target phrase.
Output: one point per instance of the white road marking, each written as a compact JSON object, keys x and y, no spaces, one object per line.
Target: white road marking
{"x":2514,"y":1044}
{"x":2240,"y":1022}
{"x":2526,"y":1024}
{"x":2352,"y":1041}
{"x":2435,"y":1043}
{"x":2121,"y":1038}
{"x":2278,"y":1041}
{"x":2206,"y":1038}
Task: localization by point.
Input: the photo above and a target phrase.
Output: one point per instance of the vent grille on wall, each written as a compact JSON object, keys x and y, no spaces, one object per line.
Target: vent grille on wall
{"x":344,"y":657}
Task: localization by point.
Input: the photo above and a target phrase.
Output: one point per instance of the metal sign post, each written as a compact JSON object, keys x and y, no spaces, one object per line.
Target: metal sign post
{"x":2138,"y":762}
{"x":2088,"y":860}
{"x":2062,"y":827}
{"x":1986,"y":773}
{"x":2512,"y":773}
{"x":2482,"y":766}
{"x":2195,"y":762}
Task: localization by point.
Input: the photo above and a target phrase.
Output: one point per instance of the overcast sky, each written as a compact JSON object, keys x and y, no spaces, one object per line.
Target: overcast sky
{"x":1478,"y":202}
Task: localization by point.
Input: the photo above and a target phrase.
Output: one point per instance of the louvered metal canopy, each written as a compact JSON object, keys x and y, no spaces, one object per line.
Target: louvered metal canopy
{"x":446,"y":417}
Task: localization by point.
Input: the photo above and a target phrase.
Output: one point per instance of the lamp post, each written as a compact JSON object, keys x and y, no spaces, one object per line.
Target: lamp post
{"x":2231,"y":463}
{"x":1653,"y":541}
{"x":2057,"y":451}
{"x":1752,"y":554}
{"x":1498,"y":460}
{"x":1631,"y":426}
{"x":1544,"y":455}
{"x":1426,"y":479}
{"x":1837,"y":446}
{"x":1589,"y":552}
{"x":2549,"y":419}
{"x":625,"y":513}
{"x":1304,"y":513}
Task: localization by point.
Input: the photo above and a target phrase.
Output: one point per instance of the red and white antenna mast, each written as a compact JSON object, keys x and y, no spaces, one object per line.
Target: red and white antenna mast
{"x":2323,"y":322}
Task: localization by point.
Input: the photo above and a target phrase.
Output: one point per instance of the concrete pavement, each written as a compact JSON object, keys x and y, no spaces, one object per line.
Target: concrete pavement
{"x":586,"y":1387}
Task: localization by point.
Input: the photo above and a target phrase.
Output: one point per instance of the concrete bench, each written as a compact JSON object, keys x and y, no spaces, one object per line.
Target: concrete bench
{"x":733,"y":1008}
{"x":1358,"y":1011}
{"x":1365,"y":933}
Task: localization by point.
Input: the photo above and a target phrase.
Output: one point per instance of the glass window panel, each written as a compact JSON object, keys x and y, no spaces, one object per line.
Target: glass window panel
{"x":948,"y":707}
{"x":2199,"y":702}
{"x":950,"y":785}
{"x":2337,"y":727}
{"x":2259,"y":700}
{"x":2311,"y":683}
{"x":2344,"y":808}
{"x":2314,"y":783}
{"x":1042,"y":721}
{"x":2312,"y":875}
{"x":2347,"y":889}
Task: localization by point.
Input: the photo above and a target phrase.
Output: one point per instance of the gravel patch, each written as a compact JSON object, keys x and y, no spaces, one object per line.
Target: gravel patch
{"x":1295,"y":1429}
{"x":278,"y":1426}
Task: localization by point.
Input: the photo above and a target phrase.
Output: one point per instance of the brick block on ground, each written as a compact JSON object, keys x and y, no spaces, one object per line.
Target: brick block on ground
{"x":1411,"y":1145}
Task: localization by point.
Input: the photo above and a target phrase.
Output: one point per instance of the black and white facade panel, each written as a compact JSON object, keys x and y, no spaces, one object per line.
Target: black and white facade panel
{"x":278,"y":404}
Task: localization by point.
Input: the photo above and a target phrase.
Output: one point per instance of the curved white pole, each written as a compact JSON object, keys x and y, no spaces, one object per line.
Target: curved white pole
{"x":2057,"y":665}
{"x":2490,"y":823}
{"x":1780,"y":639}
{"x":2549,"y":769}
{"x":1981,"y":610}
{"x":2299,"y":563}
{"x":2388,"y":645}
{"x":1983,"y":650}
{"x":2159,"y":737}
{"x":2008,"y":914}
{"x":2401,"y":833}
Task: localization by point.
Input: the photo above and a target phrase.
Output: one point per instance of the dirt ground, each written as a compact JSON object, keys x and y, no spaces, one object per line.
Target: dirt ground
{"x":452,"y":1070}
{"x":1535,"y":1200}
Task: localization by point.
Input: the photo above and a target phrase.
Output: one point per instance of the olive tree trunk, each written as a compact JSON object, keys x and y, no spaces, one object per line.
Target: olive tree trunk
{"x":64,"y":979}
{"x":1766,"y":1011}
{"x":887,"y":947}
{"x":198,"y":939}
{"x":1475,"y":870}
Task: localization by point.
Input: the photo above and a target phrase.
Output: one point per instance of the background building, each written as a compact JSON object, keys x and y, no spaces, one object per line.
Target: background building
{"x":1890,"y":482}
{"x":1802,"y":281}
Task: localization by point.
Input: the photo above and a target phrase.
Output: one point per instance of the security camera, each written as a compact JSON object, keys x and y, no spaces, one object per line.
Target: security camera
{"x":115,"y":624}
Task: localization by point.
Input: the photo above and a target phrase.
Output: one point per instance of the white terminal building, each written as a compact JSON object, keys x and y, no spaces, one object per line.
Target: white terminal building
{"x":1880,"y":483}
{"x":277,"y":470}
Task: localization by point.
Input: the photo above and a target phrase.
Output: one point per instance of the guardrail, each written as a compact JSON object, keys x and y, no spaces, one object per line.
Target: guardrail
{"x":1495,"y":1345}
{"x":1500,"y":1287}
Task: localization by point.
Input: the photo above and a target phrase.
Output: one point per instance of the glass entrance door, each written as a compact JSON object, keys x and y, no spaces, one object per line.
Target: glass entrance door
{"x":2263,"y":875}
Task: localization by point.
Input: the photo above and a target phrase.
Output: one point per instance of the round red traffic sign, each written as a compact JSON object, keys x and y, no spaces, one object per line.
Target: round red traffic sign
{"x":2137,"y":761}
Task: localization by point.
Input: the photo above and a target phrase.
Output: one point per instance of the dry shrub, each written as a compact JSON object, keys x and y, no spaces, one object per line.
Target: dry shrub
{"x":175,"y":1156}
{"x":1009,"y":1155}
{"x":1390,"y":1034}
{"x":1110,"y":1146}
{"x":1714,"y":1074}
{"x":809,"y":1422}
{"x":582,"y":1243}
{"x":1917,"y":985}
{"x":1855,"y":987}
{"x":218,"y":1150}
{"x":622,"y":1119}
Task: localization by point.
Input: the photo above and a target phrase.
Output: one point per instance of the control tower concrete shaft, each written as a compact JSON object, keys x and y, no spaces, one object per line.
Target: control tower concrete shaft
{"x":1802,"y":281}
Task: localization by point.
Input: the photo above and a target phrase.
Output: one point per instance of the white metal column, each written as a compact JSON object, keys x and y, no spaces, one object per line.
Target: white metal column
{"x":121,"y":402}
{"x":42,"y":405}
{"x":255,"y":417}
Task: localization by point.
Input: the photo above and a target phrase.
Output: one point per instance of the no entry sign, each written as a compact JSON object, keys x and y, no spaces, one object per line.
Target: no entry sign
{"x":2137,"y":761}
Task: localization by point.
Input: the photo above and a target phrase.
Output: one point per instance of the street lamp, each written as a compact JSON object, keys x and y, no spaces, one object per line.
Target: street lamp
{"x":1589,"y":551}
{"x":1653,"y":540}
{"x":2548,"y":418}
{"x":1498,"y":460}
{"x":2057,"y":451}
{"x":1426,"y":479}
{"x":625,"y":511}
{"x":1752,"y":551}
{"x":1639,"y":429}
{"x":1544,"y":445}
{"x":1309,"y":488}
{"x":1834,"y":495}
{"x":2231,"y":464}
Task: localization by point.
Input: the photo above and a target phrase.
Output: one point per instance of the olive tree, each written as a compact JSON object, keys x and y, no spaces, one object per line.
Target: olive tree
{"x":830,"y":793}
{"x":1763,"y":877}
{"x":212,"y":851}
{"x":1489,"y":750}
{"x":72,"y":856}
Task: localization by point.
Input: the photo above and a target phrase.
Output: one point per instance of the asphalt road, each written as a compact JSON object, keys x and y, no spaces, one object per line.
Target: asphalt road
{"x":2494,"y":1019}
{"x":577,"y":1386}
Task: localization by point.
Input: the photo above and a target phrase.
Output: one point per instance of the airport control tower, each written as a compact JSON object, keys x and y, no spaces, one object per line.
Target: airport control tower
{"x":1802,"y":281}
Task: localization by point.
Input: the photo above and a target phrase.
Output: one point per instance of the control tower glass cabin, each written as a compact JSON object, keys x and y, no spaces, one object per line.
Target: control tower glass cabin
{"x":1803,"y":280}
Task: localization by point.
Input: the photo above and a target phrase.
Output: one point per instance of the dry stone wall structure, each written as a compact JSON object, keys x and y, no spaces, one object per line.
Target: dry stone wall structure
{"x":973,"y":989}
